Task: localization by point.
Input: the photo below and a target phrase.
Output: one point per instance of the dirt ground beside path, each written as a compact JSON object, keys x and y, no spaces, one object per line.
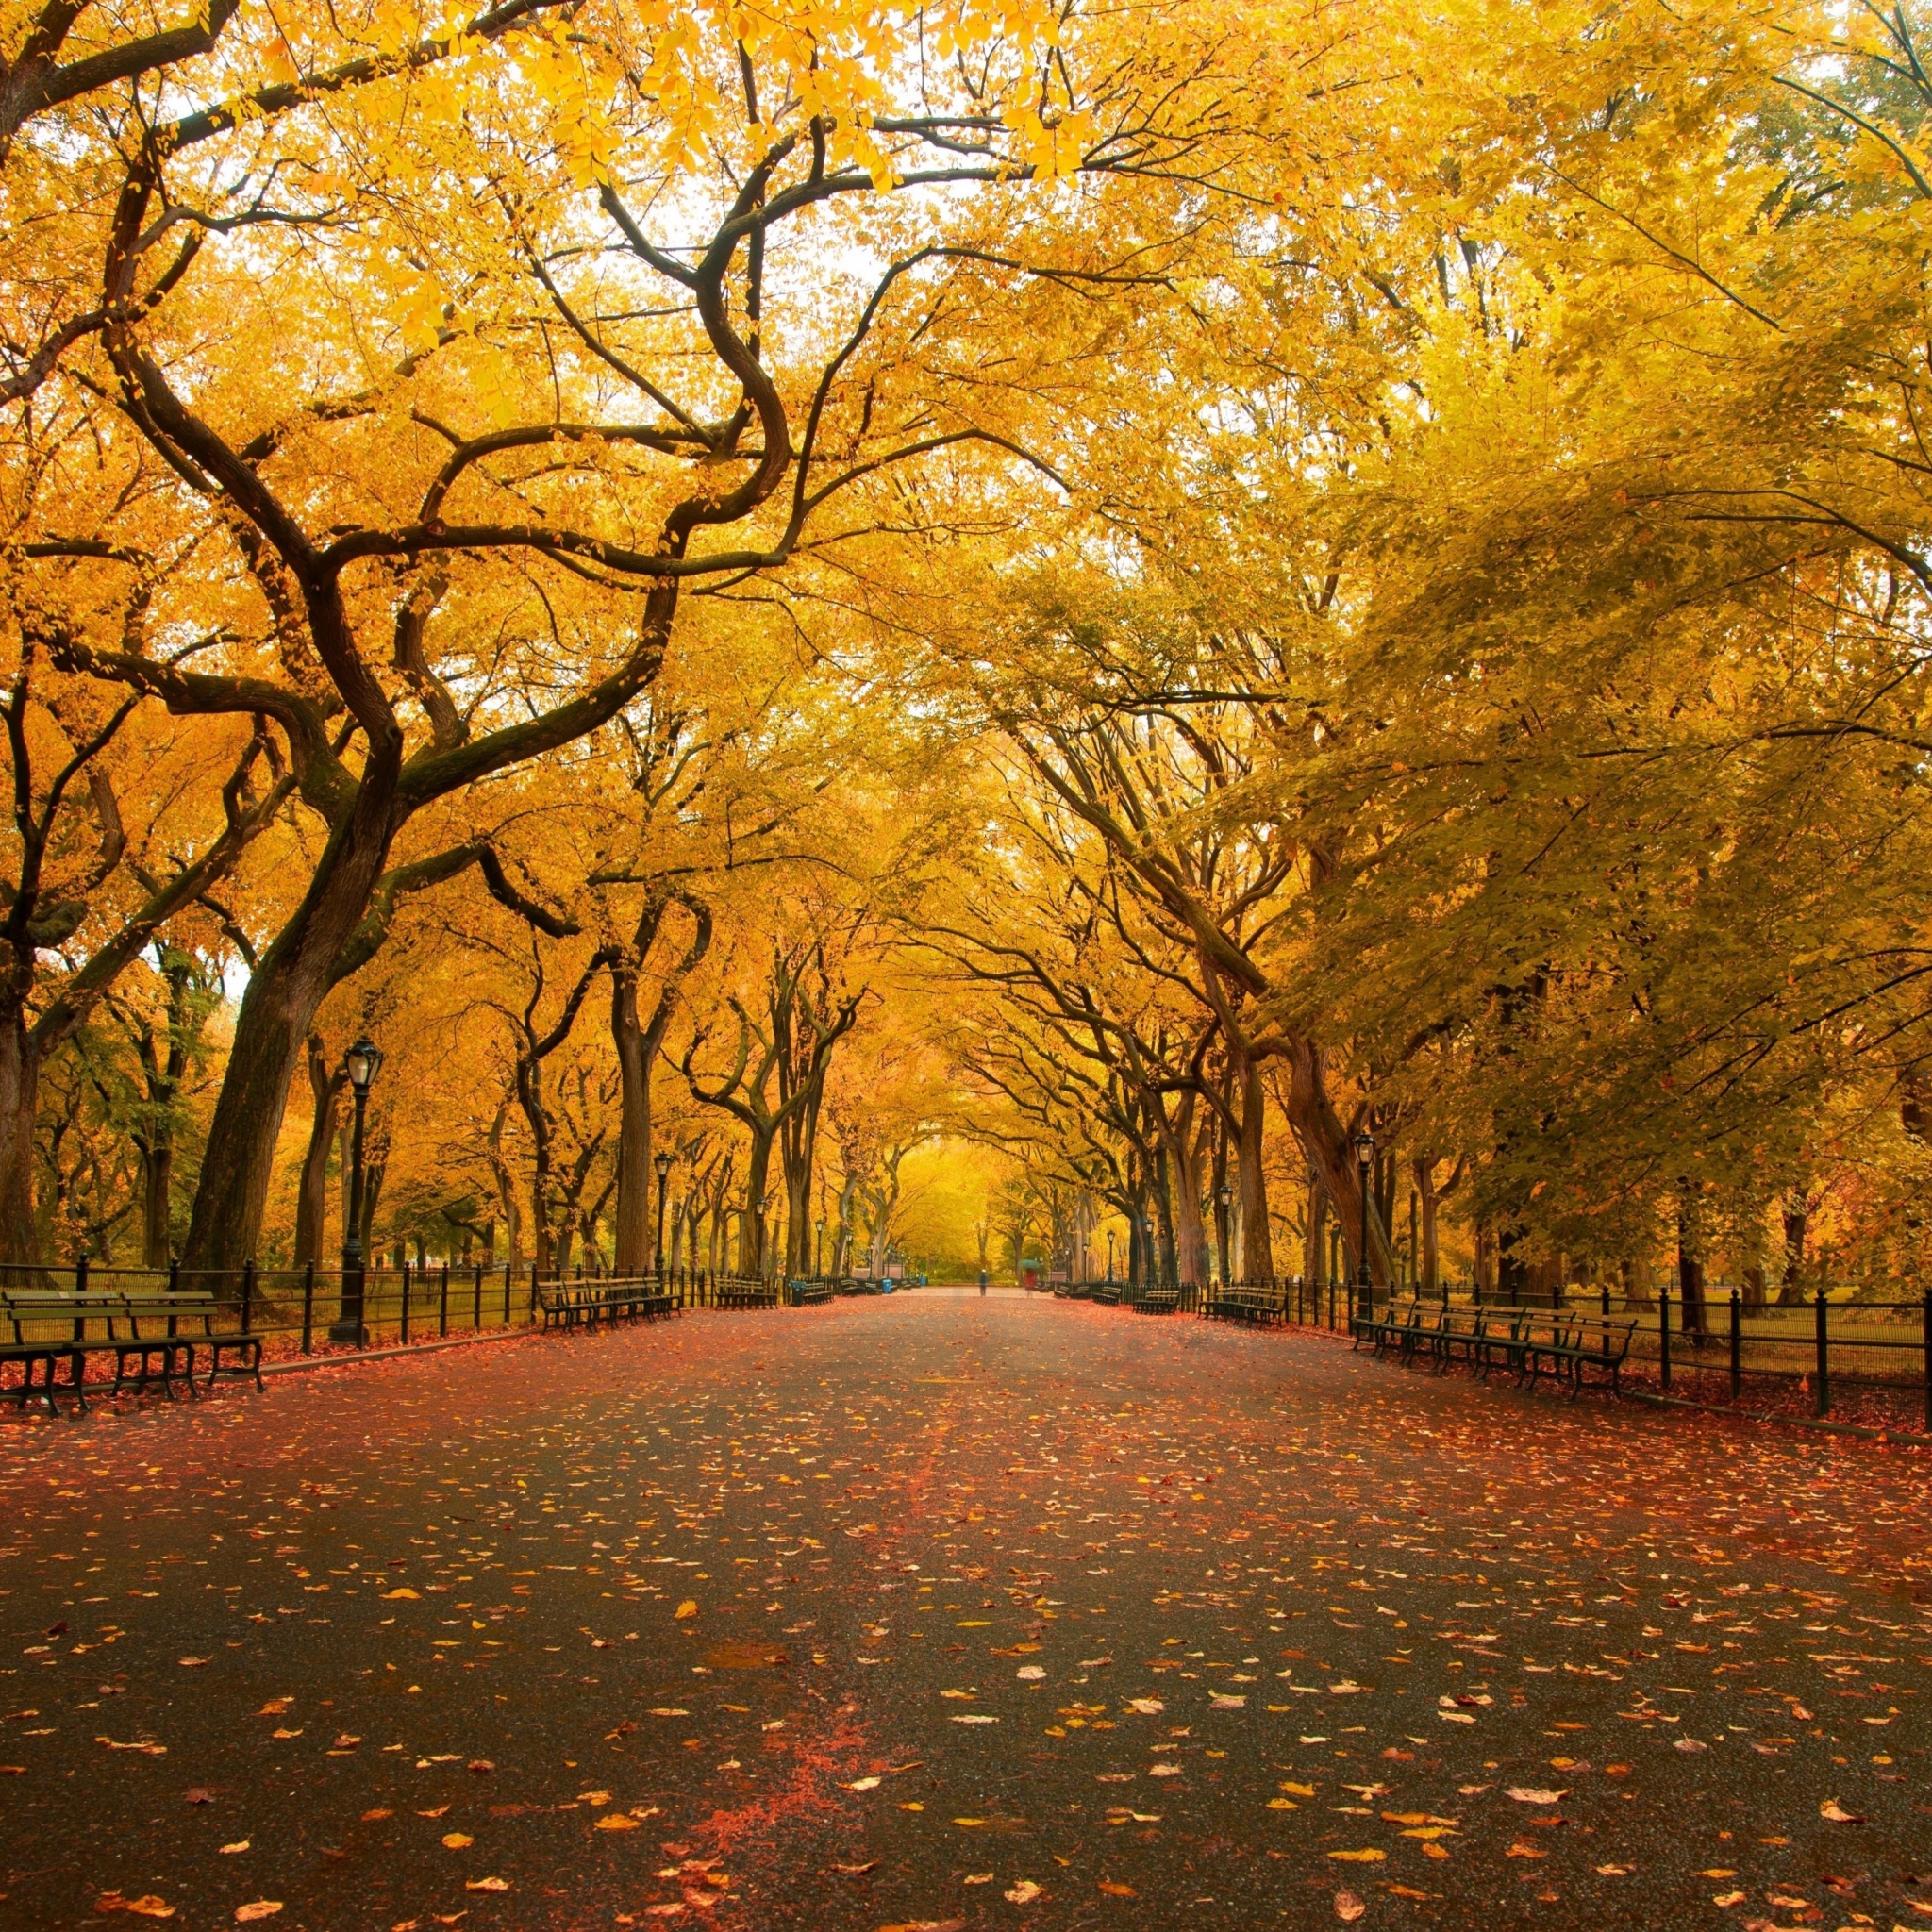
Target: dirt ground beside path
{"x":942,"y":1611}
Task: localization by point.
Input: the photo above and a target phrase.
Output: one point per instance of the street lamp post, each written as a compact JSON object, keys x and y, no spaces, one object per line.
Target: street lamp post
{"x":1224,"y":1200}
{"x":1109,"y":1257}
{"x":662,"y":1163}
{"x":1365,"y":1162}
{"x":818,"y":1242}
{"x":361,"y":1063}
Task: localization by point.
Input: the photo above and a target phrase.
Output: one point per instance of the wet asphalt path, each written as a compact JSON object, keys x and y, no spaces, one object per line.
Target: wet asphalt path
{"x":942,"y":1612}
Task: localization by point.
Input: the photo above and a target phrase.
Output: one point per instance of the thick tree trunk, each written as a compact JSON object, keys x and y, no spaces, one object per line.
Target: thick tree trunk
{"x":271,"y":1029}
{"x":1790,"y":1287}
{"x":1693,"y":1319}
{"x":1256,"y":1260}
{"x":1320,"y":1131}
{"x":1426,"y":1202}
{"x":311,"y":1200}
{"x":751,"y":1226}
{"x":630,"y":1226}
{"x":20,"y":1076}
{"x":156,"y":1193}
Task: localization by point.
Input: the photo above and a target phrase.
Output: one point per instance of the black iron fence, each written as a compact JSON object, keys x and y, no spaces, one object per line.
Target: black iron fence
{"x":313,"y":1310}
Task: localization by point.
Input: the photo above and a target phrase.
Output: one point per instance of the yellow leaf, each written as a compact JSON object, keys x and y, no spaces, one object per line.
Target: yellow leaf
{"x":389,"y":1597}
{"x":618,"y":1821}
{"x":455,"y":1840}
{"x":260,"y":1908}
{"x":1371,"y":1857}
{"x":688,"y":1607}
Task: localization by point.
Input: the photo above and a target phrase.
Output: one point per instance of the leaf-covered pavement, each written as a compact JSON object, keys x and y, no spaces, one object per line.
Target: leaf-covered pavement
{"x":938,"y":1611}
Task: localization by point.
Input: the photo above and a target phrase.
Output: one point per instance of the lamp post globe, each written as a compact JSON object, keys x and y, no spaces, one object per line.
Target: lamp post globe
{"x":1223,"y":1202}
{"x":361,"y":1064}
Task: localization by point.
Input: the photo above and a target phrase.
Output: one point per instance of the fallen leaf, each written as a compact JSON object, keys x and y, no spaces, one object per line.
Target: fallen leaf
{"x":1147,"y":1707}
{"x":479,"y":1765}
{"x":276,"y":1707}
{"x":1717,"y":1872}
{"x":260,"y":1908}
{"x":389,"y":1597}
{"x":1022,"y":1894}
{"x":1526,"y":1794}
{"x":1163,"y":1771}
{"x":486,"y":1885}
{"x":1406,"y":1891}
{"x":618,"y":1821}
{"x":241,"y":1844}
{"x":1299,"y":1791}
{"x":1030,"y":1674}
{"x":860,"y":1871}
{"x":862,"y":1784}
{"x":1614,"y":1870}
{"x":193,"y":1663}
{"x":378,"y":1814}
{"x":455,"y":1840}
{"x":974,"y":1717}
{"x":687,"y":1609}
{"x":197,"y":1794}
{"x":1729,"y":1898}
{"x":1434,"y":1851}
{"x":1520,"y":1850}
{"x":1690,"y":1745}
{"x":1832,"y":1809}
{"x":1371,"y":1857}
{"x":978,"y":1878}
{"x":1114,"y":1888}
{"x":148,"y":1905}
{"x":1348,"y":1907}
{"x":346,"y":1743}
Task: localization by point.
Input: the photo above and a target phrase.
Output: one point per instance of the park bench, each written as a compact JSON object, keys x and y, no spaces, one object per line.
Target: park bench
{"x":747,"y":1295}
{"x":1569,"y":1346}
{"x":1399,"y":1326}
{"x":1158,"y":1301}
{"x":1107,"y":1293}
{"x":154,"y":1338}
{"x":808,"y":1294}
{"x":1244,"y":1304}
{"x":584,"y":1303}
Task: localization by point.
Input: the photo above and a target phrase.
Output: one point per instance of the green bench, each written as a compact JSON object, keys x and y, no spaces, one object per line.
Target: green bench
{"x":155,"y":1341}
{"x":1568,"y":1347}
{"x":1244,"y":1304}
{"x":585,"y":1303}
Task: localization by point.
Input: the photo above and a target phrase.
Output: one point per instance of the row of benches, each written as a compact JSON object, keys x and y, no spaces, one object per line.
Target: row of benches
{"x":157,"y":1341}
{"x":1529,"y":1342}
{"x":586,"y":1304}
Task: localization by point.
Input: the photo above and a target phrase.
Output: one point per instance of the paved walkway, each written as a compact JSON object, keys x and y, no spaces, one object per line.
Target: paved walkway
{"x":942,"y":1612}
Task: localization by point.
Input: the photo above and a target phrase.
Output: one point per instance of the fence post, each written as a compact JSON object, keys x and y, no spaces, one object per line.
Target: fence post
{"x":1663,"y":1335}
{"x":1332,"y":1304}
{"x":308,"y":1309}
{"x":248,"y":1294}
{"x":406,"y":1306}
{"x":1737,"y":1345}
{"x":80,"y":1265}
{"x":443,"y":1304}
{"x":1927,"y":1335}
{"x":533,"y":1293}
{"x":1606,"y":1297}
{"x":506,"y":1295}
{"x":1820,"y":1305}
{"x":175,"y":1276}
{"x":476,"y":1300}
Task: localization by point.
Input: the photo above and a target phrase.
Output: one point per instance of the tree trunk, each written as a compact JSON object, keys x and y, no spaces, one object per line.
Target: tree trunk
{"x":630,"y":1226}
{"x":311,"y":1200}
{"x":284,"y":993}
{"x":1691,"y":1320}
{"x":1426,"y":1203}
{"x":1315,"y":1236}
{"x":1320,"y":1131}
{"x":19,"y":1073}
{"x":751,"y":1226}
{"x":1256,"y":1260}
{"x":1790,"y":1287}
